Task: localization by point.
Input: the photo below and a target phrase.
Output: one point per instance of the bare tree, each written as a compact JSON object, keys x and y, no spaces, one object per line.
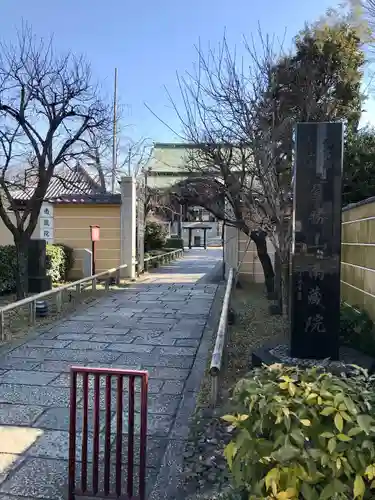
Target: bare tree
{"x":240,"y":119}
{"x":47,"y":104}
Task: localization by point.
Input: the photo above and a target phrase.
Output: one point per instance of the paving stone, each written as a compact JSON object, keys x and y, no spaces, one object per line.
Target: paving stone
{"x":55,"y":445}
{"x":50,"y":343}
{"x":74,"y":336}
{"x":36,"y":353}
{"x":75,"y":326}
{"x":58,"y":419}
{"x":151,"y":475}
{"x":156,"y":447}
{"x":177,"y":351}
{"x":81,"y":355}
{"x":9,"y":363}
{"x":109,"y":331}
{"x":130,"y":348}
{"x":165,"y":404}
{"x":27,"y":377}
{"x":34,"y":395}
{"x":149,"y":360}
{"x":173,"y":387}
{"x":88,"y":344}
{"x":166,"y":373}
{"x":55,"y":366}
{"x":11,"y":414}
{"x":154,"y":386}
{"x":17,"y":440}
{"x":40,"y":478}
{"x":8,"y":462}
{"x":157,"y":425}
{"x":151,"y":340}
{"x":156,"y":320}
{"x":187,"y":342}
{"x":156,"y":326}
{"x":186,"y":333}
{"x":118,"y":338}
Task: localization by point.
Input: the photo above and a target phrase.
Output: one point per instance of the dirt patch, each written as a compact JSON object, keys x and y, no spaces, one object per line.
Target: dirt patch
{"x":205,"y":471}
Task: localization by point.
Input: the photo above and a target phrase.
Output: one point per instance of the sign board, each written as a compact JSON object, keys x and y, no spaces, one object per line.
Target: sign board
{"x":95,"y":233}
{"x":46,"y":223}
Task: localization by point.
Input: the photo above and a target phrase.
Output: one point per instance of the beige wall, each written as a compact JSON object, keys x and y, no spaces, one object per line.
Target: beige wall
{"x":251,"y":268}
{"x":6,"y":237}
{"x":72,"y":227}
{"x":358,"y":257}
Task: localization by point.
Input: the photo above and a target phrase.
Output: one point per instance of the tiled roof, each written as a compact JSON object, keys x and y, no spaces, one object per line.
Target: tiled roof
{"x":65,"y":183}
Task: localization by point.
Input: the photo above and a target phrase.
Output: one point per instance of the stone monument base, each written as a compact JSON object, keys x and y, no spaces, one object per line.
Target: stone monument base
{"x":280,"y":353}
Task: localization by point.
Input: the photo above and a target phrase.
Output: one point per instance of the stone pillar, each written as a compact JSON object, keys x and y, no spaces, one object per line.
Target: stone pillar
{"x":128,"y":226}
{"x":316,"y":242}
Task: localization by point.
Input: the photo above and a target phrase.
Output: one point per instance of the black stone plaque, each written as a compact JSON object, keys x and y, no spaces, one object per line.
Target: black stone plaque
{"x":316,"y":244}
{"x":37,"y":267}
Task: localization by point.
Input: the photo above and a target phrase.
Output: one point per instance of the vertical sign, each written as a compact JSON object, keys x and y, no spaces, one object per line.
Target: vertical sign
{"x":140,"y":226}
{"x":46,"y":223}
{"x":316,"y":245}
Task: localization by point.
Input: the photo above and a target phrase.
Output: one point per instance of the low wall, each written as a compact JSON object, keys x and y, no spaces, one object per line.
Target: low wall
{"x":358,"y":255}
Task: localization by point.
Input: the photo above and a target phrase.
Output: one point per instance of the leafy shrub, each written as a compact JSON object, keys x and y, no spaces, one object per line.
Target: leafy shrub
{"x":303,"y":434}
{"x":59,"y":263}
{"x":175,"y":243}
{"x":155,"y":236}
{"x":357,"y":329}
{"x":68,"y":262}
{"x":55,"y":262}
{"x":8,"y":265}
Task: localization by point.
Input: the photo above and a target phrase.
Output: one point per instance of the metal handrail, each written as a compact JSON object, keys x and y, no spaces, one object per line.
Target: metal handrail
{"x":221,"y":337}
{"x":176,"y":252}
{"x":58,"y":293}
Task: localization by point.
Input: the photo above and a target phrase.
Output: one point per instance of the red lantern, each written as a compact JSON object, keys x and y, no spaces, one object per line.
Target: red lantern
{"x":95,"y":233}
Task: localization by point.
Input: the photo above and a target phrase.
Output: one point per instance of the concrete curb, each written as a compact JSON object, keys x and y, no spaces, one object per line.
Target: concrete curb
{"x":169,"y":479}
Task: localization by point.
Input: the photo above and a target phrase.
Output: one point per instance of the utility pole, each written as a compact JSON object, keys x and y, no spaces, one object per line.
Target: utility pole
{"x":114,"y":145}
{"x":129,"y":161}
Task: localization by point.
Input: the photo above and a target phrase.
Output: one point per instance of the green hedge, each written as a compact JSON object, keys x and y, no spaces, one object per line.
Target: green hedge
{"x":59,"y":263}
{"x":155,"y":236}
{"x":8,"y":265}
{"x":176,"y":243}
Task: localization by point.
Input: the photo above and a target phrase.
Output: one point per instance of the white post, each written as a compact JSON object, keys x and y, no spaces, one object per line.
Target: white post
{"x":128,"y":223}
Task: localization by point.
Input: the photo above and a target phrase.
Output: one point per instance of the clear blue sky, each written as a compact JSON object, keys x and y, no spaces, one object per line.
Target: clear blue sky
{"x":149,"y":40}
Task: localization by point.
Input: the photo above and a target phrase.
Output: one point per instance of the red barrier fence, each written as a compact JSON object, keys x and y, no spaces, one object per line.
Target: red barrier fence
{"x":99,"y":377}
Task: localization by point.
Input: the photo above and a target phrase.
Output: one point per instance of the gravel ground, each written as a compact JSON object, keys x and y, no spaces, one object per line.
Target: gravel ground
{"x":205,"y":471}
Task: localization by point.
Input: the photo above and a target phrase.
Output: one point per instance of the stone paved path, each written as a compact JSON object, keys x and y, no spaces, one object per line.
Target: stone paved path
{"x":156,"y":325}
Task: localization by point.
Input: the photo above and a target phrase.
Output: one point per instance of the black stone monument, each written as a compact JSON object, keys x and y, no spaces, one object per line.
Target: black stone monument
{"x":316,"y":241}
{"x":37,"y":267}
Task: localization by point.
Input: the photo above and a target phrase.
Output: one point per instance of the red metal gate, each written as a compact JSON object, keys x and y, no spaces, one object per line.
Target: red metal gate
{"x":99,"y":377}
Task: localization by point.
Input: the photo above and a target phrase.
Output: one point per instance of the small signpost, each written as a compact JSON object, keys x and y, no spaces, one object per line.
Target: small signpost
{"x":95,"y":236}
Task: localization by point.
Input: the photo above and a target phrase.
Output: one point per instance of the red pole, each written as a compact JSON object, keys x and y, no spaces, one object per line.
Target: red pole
{"x":93,"y":248}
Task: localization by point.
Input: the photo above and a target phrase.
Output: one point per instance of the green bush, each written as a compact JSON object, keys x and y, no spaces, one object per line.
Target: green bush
{"x":55,"y":262}
{"x":357,"y":329}
{"x":68,"y":262}
{"x":303,"y":434}
{"x":175,"y":243}
{"x":8,"y":265}
{"x":155,"y":236}
{"x":59,"y":263}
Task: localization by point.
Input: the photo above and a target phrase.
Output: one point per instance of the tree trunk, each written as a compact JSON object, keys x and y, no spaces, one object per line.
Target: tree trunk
{"x":22,"y":274}
{"x":259,"y":238}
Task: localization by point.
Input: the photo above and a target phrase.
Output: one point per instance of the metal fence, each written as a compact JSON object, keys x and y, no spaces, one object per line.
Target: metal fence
{"x":109,"y":276}
{"x":96,"y":478}
{"x":219,"y":355}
